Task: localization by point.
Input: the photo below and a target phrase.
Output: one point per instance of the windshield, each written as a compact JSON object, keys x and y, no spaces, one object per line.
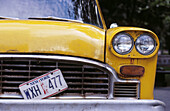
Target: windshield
{"x":82,"y":10}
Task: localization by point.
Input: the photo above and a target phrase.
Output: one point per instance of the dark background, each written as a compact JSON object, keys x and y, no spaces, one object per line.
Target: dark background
{"x":150,"y":14}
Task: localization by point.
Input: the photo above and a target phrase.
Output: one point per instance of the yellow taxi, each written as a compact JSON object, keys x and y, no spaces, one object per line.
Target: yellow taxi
{"x":59,"y":55}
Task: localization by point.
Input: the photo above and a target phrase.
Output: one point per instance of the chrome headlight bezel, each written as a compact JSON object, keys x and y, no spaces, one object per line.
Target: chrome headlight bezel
{"x":154,"y":43}
{"x":115,"y":44}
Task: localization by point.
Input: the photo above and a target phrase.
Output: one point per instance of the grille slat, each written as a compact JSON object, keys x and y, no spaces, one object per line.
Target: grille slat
{"x":125,"y":90}
{"x":12,"y":82}
{"x":71,"y":83}
{"x":78,"y":72}
{"x":82,"y":79}
{"x":89,"y":89}
{"x":36,"y":66}
{"x":14,"y":65}
{"x":16,"y":76}
{"x":10,"y":88}
{"x":86,"y":78}
{"x":70,"y":67}
{"x":126,"y":95}
{"x":126,"y":87}
{"x":33,"y":71}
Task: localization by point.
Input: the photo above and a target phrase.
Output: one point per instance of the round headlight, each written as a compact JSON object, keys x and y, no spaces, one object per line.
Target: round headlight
{"x":122,"y":43}
{"x":145,"y":44}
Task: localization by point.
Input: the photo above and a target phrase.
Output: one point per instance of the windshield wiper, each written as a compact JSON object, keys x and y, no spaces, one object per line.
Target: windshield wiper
{"x":9,"y":18}
{"x":55,"y":18}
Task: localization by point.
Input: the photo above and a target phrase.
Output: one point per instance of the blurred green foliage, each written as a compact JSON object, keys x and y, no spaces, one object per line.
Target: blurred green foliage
{"x":150,"y":14}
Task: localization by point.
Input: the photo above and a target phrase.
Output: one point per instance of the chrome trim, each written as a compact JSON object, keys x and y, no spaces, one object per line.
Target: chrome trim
{"x":9,"y":18}
{"x":113,"y":75}
{"x":81,"y":105}
{"x":121,"y":33}
{"x":56,"y":18}
{"x":14,"y":96}
{"x":138,"y":93}
{"x":155,"y":44}
{"x":113,"y":25}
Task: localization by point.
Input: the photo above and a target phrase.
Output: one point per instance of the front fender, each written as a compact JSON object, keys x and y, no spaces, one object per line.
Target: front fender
{"x":149,"y":62}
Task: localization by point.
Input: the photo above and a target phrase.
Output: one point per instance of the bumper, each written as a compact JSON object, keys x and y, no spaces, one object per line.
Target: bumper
{"x":81,"y":105}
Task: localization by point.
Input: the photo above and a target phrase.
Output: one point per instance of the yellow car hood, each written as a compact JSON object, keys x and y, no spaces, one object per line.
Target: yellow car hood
{"x":52,"y":37}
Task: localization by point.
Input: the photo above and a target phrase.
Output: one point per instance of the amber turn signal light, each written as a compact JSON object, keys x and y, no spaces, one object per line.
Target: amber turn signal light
{"x":132,"y":71}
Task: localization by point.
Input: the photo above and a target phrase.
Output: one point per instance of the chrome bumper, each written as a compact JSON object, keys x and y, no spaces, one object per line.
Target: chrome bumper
{"x":113,"y":79}
{"x":81,"y":105}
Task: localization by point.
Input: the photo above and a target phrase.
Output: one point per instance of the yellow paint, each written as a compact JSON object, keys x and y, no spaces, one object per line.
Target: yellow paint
{"x":134,"y":58}
{"x":101,"y":15}
{"x":148,"y":80}
{"x":76,"y":39}
{"x":134,"y":54}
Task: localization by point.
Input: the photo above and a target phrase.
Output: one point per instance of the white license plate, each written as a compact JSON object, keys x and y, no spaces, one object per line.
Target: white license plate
{"x":44,"y":86}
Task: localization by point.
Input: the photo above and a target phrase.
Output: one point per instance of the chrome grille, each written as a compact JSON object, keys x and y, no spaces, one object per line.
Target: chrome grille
{"x":126,"y":90}
{"x":84,"y":80}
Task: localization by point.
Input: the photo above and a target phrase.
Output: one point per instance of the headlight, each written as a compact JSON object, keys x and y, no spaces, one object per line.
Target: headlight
{"x":122,"y":43}
{"x":145,"y":44}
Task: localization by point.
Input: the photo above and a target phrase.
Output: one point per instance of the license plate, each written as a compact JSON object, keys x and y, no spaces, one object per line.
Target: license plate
{"x":44,"y":86}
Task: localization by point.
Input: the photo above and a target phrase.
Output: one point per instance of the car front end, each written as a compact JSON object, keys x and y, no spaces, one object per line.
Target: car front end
{"x":105,"y":69}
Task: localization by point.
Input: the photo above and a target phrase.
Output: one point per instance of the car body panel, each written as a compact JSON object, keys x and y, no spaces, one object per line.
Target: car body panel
{"x":82,"y":105}
{"x":55,"y":37}
{"x":138,"y":31}
{"x":101,"y":16}
{"x":134,"y":58}
{"x":81,"y":40}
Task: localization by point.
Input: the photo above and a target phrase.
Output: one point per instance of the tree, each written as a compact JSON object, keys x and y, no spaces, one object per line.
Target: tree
{"x":150,"y":14}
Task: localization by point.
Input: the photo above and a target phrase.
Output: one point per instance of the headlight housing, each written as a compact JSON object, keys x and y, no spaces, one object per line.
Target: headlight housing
{"x":145,"y":44}
{"x":123,"y":43}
